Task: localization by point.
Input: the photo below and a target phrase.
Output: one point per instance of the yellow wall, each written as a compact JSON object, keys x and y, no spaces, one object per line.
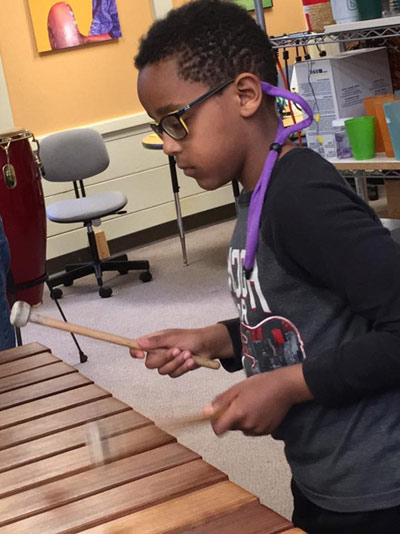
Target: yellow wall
{"x":286,"y":16}
{"x":67,"y":88}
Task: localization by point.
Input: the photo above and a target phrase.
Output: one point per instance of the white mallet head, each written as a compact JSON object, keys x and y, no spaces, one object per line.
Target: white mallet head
{"x":20,"y":313}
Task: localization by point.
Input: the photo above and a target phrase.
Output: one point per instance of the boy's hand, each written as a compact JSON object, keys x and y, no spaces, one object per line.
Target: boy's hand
{"x":170,"y":351}
{"x":258,"y":405}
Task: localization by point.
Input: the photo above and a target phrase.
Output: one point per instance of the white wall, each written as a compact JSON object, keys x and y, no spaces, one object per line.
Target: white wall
{"x":6,"y":117}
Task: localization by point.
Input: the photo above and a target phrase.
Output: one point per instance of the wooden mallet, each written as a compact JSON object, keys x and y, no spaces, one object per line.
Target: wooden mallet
{"x":22,"y":313}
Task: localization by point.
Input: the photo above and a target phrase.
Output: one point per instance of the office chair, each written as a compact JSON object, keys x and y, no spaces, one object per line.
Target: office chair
{"x":75,"y":155}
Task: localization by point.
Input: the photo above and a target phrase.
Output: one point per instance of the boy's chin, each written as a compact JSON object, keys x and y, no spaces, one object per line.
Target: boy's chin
{"x":207,"y":184}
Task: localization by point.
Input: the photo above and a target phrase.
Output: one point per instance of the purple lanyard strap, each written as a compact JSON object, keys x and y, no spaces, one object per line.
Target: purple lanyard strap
{"x":257,"y":198}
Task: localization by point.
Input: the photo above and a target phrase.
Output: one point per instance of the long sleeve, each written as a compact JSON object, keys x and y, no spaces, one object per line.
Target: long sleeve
{"x":235,"y":363}
{"x":323,"y":233}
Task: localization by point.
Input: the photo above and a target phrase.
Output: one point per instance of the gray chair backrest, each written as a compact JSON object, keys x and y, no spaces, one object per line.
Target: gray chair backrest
{"x":73,"y":155}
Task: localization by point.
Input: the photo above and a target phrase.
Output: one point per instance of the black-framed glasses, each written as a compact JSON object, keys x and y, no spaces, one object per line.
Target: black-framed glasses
{"x":173,"y":124}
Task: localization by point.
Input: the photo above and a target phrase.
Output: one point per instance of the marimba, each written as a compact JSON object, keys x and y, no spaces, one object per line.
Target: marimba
{"x":150,"y":483}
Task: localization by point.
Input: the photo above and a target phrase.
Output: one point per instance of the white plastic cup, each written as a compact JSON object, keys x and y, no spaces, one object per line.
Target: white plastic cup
{"x":345,"y":11}
{"x":343,"y":148}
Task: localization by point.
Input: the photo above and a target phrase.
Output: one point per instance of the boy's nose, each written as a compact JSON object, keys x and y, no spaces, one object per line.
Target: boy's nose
{"x":170,"y":146}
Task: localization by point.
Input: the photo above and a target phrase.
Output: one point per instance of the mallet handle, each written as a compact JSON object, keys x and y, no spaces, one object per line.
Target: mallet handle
{"x":104,"y":336}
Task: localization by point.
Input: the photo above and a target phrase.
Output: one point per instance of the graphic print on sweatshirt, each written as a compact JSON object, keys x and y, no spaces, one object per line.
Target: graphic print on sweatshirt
{"x":269,"y":341}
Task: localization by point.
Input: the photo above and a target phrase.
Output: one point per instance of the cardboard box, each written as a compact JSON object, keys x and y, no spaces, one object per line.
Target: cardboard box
{"x":101,"y":244}
{"x":335,"y":88}
{"x":393,"y":198}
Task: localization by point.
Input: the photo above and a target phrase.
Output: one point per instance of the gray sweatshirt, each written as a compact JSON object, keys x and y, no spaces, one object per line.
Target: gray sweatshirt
{"x":325,"y":291}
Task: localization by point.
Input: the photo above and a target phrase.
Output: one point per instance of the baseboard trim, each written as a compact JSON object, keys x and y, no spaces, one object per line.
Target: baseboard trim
{"x":144,"y":237}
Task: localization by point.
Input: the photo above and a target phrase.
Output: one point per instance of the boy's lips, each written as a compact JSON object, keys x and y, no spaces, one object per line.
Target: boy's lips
{"x":186,"y":168}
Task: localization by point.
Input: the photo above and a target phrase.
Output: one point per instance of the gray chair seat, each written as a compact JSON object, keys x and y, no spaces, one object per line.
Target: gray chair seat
{"x":86,"y":208}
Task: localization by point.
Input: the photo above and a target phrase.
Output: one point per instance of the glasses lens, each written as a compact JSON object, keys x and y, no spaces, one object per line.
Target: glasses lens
{"x":173,"y":127}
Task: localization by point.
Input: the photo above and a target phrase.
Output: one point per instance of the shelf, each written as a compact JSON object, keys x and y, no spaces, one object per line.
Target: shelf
{"x":379,"y":163}
{"x":383,"y":22}
{"x":362,"y":30}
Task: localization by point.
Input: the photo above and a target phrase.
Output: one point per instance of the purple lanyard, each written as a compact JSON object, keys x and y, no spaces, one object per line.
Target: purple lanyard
{"x":257,"y":198}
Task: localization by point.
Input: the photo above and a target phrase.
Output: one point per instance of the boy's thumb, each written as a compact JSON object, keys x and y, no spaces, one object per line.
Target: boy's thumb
{"x":148,"y":343}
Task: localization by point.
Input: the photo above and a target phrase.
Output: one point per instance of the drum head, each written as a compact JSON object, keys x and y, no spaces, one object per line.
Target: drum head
{"x":15,"y":134}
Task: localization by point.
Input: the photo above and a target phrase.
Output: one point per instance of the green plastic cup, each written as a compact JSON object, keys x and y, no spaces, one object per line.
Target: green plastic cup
{"x":369,"y":9}
{"x":361,"y":134}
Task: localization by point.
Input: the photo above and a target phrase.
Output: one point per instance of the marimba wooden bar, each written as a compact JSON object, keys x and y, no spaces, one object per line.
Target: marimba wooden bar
{"x":150,"y":484}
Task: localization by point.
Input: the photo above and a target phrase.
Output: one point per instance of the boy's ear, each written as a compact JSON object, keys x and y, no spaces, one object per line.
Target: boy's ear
{"x":250,"y":93}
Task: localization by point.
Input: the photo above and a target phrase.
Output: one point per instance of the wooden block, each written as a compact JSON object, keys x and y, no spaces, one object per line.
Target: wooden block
{"x":25,"y":364}
{"x":84,"y":485}
{"x":79,"y":460}
{"x":22,"y":352}
{"x":101,"y":243}
{"x":88,"y":404}
{"x":182,"y":514}
{"x":120,"y":501}
{"x":393,"y":198}
{"x":66,"y":440}
{"x":41,"y":390}
{"x":41,"y":407}
{"x":35,"y":376}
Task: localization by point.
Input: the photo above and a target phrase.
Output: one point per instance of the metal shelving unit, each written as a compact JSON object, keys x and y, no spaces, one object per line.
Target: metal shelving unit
{"x":384,"y":28}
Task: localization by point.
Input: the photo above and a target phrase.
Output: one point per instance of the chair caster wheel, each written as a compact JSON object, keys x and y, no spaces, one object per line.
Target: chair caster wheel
{"x":56,"y":293}
{"x":146,"y":276}
{"x":105,"y":292}
{"x":69,"y":283}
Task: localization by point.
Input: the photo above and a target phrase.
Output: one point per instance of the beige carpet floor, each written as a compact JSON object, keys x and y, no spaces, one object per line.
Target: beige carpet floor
{"x":178,"y":296}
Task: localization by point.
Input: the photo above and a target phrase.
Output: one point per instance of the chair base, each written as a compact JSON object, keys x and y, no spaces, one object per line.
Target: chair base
{"x":79,"y":270}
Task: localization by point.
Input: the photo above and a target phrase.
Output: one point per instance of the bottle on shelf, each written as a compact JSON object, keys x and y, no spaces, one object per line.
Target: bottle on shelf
{"x":369,"y":9}
{"x":345,"y":11}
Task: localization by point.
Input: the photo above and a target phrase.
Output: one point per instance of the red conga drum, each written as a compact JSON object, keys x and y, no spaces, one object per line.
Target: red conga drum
{"x":22,"y":209}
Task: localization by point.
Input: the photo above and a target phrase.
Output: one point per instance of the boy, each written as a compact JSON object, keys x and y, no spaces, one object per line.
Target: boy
{"x":318,"y":332}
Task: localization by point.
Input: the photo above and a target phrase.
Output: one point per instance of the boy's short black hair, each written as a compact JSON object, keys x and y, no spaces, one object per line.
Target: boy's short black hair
{"x":212,"y":40}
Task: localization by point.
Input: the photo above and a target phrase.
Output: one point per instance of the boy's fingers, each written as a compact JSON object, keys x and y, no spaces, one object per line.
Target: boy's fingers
{"x":157,"y":359}
{"x":224,"y":421}
{"x":179,"y":363}
{"x":221,"y":412}
{"x":135,"y":353}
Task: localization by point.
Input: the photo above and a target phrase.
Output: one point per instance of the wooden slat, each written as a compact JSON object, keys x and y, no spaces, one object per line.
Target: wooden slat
{"x":294,"y":531}
{"x":39,"y":391}
{"x":31,"y":362}
{"x":253,"y":518}
{"x":120,"y":501}
{"x":67,"y":419}
{"x":184,"y":513}
{"x":41,"y":407}
{"x":67,"y":440}
{"x":35,"y":376}
{"x":78,"y":460}
{"x":18,"y":353}
{"x":39,"y":500}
